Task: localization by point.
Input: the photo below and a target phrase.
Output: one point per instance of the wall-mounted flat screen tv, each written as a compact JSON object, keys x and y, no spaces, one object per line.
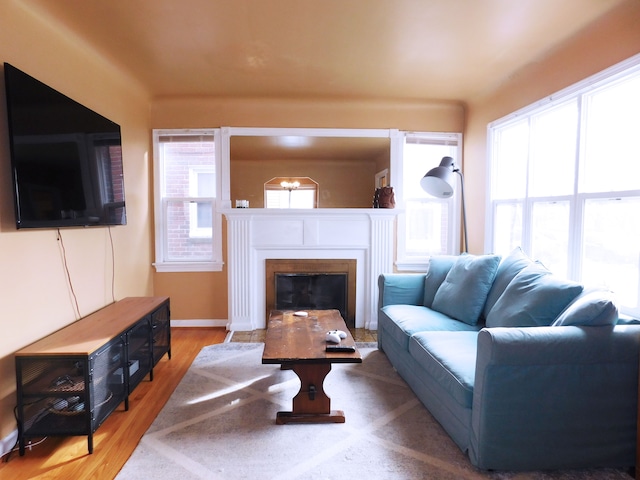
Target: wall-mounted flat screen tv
{"x":66,"y":159}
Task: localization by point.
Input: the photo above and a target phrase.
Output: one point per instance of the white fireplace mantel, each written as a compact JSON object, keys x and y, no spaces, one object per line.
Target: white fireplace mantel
{"x":256,"y":234}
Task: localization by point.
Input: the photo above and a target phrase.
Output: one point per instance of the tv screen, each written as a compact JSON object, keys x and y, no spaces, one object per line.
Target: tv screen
{"x":66,"y":159}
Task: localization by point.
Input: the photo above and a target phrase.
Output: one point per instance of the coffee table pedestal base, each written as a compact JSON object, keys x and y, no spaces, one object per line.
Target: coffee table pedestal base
{"x":335,"y":416}
{"x":311,"y":404}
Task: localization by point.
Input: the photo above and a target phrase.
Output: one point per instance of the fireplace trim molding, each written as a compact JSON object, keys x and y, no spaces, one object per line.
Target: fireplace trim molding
{"x":254,"y":235}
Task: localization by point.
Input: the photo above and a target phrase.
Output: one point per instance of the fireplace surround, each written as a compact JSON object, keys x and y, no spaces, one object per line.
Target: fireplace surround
{"x":256,"y":235}
{"x":314,"y":270}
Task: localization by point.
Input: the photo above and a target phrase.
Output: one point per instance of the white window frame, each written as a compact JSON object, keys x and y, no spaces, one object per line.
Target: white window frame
{"x":161,"y":263}
{"x":419,"y":263}
{"x":576,"y":200}
{"x":228,"y":132}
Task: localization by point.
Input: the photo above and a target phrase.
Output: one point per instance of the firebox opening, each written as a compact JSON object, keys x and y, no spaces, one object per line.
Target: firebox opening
{"x":323,"y":270}
{"x":311,"y":291}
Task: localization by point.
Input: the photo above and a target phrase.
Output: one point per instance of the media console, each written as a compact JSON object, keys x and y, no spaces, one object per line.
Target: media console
{"x":69,"y":382}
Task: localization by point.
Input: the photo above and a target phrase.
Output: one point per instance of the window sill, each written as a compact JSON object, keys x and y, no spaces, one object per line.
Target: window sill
{"x":189,"y":267}
{"x":415,"y":266}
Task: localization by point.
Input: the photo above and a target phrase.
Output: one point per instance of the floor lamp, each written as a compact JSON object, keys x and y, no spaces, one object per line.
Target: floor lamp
{"x":440,"y":182}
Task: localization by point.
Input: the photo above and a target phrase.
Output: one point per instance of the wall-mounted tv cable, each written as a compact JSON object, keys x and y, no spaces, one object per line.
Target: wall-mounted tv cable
{"x":113,"y":267}
{"x":66,"y":269}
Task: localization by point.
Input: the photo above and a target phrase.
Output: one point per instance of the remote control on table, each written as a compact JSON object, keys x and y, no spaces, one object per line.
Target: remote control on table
{"x":340,"y":348}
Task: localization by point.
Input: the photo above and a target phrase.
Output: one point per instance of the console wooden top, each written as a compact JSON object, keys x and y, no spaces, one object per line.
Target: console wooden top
{"x":91,"y":332}
{"x":293,"y":339}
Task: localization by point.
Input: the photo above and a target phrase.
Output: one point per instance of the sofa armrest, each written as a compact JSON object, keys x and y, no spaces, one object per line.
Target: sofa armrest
{"x":400,"y":289}
{"x":560,"y":394}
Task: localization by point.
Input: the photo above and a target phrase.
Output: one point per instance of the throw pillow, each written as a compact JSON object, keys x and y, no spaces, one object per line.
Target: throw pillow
{"x":439,"y":266}
{"x":509,"y":267}
{"x":533,"y":298}
{"x":465,"y":288}
{"x":593,"y":308}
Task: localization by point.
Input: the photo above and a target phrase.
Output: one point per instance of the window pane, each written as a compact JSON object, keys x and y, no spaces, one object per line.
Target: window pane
{"x":302,"y":198}
{"x":277,"y":199}
{"x":511,"y":145}
{"x":418,"y":159}
{"x":206,"y":184}
{"x":180,"y":160}
{"x":553,"y":151}
{"x":181,"y":244}
{"x":550,"y":235}
{"x":426,"y":227}
{"x":427,"y":223}
{"x":611,"y":253}
{"x":204,"y":215}
{"x":507,"y":227}
{"x":280,"y":198}
{"x":612,"y":149}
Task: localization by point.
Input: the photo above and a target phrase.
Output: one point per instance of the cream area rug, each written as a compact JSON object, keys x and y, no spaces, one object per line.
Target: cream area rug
{"x":220,"y":424}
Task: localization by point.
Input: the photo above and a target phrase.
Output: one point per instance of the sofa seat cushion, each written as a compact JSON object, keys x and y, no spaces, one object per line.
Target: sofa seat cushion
{"x":402,"y":321}
{"x":450,"y":358}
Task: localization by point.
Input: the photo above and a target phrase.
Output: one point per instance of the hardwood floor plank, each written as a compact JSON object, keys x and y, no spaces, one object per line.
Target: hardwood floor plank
{"x":118,"y":436}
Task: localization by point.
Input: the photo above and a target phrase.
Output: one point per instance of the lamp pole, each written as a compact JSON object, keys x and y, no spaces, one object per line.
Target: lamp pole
{"x":464,"y":210}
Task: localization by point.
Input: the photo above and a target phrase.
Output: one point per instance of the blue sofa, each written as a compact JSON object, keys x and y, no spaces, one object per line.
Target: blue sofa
{"x":524,"y":370}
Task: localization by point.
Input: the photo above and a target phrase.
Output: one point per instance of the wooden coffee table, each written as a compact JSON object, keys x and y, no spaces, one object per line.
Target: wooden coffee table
{"x":298,"y":343}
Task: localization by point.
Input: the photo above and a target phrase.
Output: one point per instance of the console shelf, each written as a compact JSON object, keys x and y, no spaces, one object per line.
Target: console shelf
{"x":69,"y":382}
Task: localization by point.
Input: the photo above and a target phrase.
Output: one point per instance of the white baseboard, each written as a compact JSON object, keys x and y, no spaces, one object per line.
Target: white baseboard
{"x":204,"y":322}
{"x":8,"y":442}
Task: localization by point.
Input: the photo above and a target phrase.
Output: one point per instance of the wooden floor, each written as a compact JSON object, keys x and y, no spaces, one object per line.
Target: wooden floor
{"x":115,"y":440}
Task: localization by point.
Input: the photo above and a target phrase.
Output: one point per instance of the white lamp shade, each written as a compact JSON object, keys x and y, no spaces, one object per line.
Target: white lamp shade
{"x":439,"y":182}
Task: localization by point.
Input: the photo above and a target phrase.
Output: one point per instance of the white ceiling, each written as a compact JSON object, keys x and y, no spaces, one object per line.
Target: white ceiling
{"x":383,"y":49}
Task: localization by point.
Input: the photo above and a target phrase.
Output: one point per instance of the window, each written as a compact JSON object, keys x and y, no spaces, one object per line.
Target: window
{"x":429,"y":225}
{"x":565,"y":183}
{"x":299,"y":192}
{"x":188,"y":225}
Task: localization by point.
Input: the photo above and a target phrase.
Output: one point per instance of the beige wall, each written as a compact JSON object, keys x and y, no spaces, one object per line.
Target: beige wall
{"x":283,"y":113}
{"x":34,"y":295}
{"x":201,"y":113}
{"x":608,"y":41}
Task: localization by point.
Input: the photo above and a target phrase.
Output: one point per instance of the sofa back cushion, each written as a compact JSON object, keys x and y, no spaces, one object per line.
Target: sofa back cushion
{"x":465,"y":288}
{"x":592,"y":308}
{"x":509,"y":267}
{"x":534,"y":298}
{"x":439,"y":266}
